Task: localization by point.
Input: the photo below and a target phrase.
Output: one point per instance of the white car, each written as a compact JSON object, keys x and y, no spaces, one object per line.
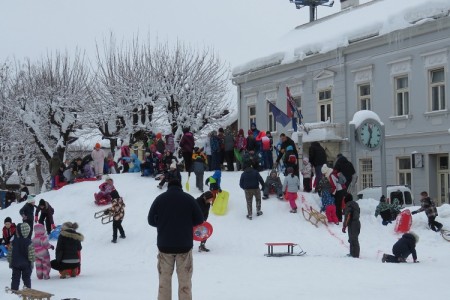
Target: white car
{"x":401,"y":192}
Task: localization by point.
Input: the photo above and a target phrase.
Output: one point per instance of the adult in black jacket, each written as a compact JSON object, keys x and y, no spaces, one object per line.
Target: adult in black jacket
{"x":249,"y":182}
{"x":204,"y":202}
{"x":344,"y":166}
{"x":405,"y":246}
{"x":286,"y":142}
{"x":317,"y":158}
{"x":46,"y":216}
{"x":27,"y":213}
{"x":174,"y":213}
{"x":67,"y":258}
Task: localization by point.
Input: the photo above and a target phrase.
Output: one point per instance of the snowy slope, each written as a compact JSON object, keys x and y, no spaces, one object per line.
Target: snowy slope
{"x":236,"y":267}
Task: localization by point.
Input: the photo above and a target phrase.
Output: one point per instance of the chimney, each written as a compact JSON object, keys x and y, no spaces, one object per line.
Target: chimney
{"x":345,"y":4}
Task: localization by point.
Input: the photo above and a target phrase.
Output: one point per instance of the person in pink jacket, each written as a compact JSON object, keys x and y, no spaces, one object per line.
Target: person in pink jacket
{"x":41,"y":246}
{"x":98,"y":156}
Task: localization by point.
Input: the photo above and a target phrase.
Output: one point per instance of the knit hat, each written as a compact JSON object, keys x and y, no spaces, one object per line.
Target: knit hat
{"x":24,"y":230}
{"x":158,"y":135}
{"x":416,"y":237}
{"x":8,"y":220}
{"x":30,"y":199}
{"x":69,"y":225}
{"x":382,"y":198}
{"x":326,"y":171}
{"x":41,"y":202}
{"x":208,"y":195}
{"x":97,"y":145}
{"x":108,"y":178}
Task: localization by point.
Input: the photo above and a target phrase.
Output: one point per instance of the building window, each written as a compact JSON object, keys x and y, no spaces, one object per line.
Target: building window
{"x":437,"y":89}
{"x":325,"y":105}
{"x":271,"y":121}
{"x":401,"y":96}
{"x":404,"y":171}
{"x":251,"y":115}
{"x":364,"y":97}
{"x":366,"y":172}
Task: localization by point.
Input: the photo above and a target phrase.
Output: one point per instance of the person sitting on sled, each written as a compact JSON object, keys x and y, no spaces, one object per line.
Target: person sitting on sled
{"x":173,"y":173}
{"x":107,"y":191}
{"x":273,"y":183}
{"x":204,"y":202}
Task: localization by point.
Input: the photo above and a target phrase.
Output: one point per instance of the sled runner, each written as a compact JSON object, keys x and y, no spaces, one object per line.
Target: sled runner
{"x":314,"y":217}
{"x":203,"y":231}
{"x":104,"y":215}
{"x":290,"y":250}
{"x":220,"y":205}
{"x":30,"y":294}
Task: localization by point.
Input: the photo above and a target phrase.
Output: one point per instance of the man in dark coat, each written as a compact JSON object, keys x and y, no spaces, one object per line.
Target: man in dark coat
{"x":27,"y":213}
{"x":286,"y":142}
{"x":344,"y":166}
{"x":317,"y":158}
{"x":67,"y":253}
{"x":351,"y":221}
{"x":204,"y":202}
{"x":187,"y":148}
{"x":46,"y":216}
{"x":174,"y":213}
{"x":405,"y":246}
{"x":249,"y":182}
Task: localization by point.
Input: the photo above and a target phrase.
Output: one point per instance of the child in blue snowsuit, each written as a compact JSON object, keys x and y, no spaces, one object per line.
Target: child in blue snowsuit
{"x":214,"y":183}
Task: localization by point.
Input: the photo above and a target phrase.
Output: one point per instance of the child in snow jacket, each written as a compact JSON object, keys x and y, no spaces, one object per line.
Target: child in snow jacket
{"x":204,"y":202}
{"x":405,"y":246}
{"x":273,"y":182}
{"x":291,"y":188}
{"x":249,"y":182}
{"x":351,"y":221}
{"x":306,"y":173}
{"x":41,"y":246}
{"x":384,"y":209}
{"x":200,"y":163}
{"x":134,"y":163}
{"x":46,"y":211}
{"x":67,"y":252}
{"x":107,"y":191}
{"x":8,"y":232}
{"x":214,"y":183}
{"x":21,"y":257}
{"x":117,"y":211}
{"x":173,"y":173}
{"x":98,"y":156}
{"x":430,"y":210}
{"x":326,"y":195}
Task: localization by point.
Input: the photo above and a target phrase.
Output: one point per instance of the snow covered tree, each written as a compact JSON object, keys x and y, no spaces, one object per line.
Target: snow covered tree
{"x":47,"y":97}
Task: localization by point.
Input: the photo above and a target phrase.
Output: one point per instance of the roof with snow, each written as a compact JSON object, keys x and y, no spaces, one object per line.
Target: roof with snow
{"x":369,"y":20}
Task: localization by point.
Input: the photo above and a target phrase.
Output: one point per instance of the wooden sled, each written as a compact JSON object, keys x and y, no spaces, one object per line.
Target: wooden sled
{"x":30,"y":294}
{"x":314,"y":217}
{"x":445,"y":234}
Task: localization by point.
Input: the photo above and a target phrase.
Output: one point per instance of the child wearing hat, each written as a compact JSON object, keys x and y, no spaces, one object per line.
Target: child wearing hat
{"x":291,"y":186}
{"x":46,"y":211}
{"x":172,"y":173}
{"x":98,"y":156}
{"x":351,"y":221}
{"x":405,"y":246}
{"x":326,"y":188}
{"x":27,"y":213}
{"x":117,"y":211}
{"x":107,"y":192}
{"x":8,"y":231}
{"x":200,"y":163}
{"x":21,"y":257}
{"x":214,"y":183}
{"x":41,"y":245}
{"x":204,"y":201}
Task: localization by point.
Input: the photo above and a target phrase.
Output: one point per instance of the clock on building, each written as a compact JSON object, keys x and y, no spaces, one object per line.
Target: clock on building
{"x":370,"y":134}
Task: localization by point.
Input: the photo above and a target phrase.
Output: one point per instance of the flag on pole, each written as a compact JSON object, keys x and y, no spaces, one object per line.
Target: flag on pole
{"x":278,"y":114}
{"x":292,"y":107}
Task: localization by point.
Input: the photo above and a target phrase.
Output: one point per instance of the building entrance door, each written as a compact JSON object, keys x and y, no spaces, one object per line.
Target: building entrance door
{"x":443,"y":176}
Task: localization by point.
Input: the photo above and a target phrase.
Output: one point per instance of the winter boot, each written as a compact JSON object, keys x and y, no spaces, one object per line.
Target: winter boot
{"x":73,"y":272}
{"x":265,"y":197}
{"x":202,"y":248}
{"x":249,"y":217}
{"x":294,"y":211}
{"x":384,"y":258}
{"x":114,"y":241}
{"x":63,"y":274}
{"x":259,"y":213}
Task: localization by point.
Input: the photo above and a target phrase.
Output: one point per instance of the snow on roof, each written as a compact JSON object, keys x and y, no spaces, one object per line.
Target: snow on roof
{"x":376,"y":18}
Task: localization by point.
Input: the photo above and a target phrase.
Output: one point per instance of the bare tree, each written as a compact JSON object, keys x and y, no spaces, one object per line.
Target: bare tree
{"x":47,"y":97}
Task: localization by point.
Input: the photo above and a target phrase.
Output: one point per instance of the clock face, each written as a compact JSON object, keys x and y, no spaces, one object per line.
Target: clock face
{"x":370,"y":135}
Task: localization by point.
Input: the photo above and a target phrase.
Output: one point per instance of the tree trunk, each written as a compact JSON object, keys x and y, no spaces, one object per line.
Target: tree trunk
{"x":39,"y":175}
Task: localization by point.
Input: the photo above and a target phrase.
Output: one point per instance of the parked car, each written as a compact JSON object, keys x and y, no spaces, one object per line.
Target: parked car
{"x":402,"y":193}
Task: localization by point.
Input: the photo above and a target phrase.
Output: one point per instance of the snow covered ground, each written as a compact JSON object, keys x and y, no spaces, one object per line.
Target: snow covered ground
{"x":236,"y":267}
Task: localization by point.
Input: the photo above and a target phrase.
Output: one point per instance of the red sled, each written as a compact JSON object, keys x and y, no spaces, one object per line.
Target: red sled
{"x":76,"y":270}
{"x":202,"y":232}
{"x":85,"y":179}
{"x":102,"y":201}
{"x":403,"y":222}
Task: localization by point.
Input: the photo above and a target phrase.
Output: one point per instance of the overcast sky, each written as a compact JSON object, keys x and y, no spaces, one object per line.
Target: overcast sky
{"x":237,"y":29}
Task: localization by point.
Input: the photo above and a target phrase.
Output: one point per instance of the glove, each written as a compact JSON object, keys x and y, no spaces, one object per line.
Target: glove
{"x":414,"y":212}
{"x":35,"y":219}
{"x":53,"y":226}
{"x":24,"y":217}
{"x":220,"y":190}
{"x":343,"y":229}
{"x":52,"y":247}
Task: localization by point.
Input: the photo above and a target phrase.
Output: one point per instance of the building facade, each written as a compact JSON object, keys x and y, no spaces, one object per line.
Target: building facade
{"x":402,"y":76}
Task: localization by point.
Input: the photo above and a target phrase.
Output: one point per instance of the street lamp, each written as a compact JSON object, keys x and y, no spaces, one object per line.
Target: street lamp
{"x":312,"y":6}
